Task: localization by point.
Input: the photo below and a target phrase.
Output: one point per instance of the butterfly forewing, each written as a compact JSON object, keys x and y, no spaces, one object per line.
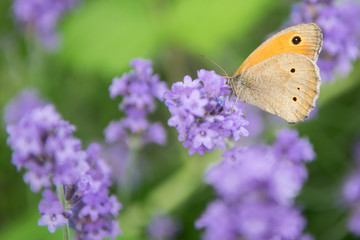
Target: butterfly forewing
{"x":304,"y":39}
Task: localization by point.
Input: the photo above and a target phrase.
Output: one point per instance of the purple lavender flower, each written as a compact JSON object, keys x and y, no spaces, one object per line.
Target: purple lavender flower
{"x":43,"y":144}
{"x":351,"y":193}
{"x":51,"y":211}
{"x":201,"y":113}
{"x":289,"y":145}
{"x":118,"y":157}
{"x":90,"y":200}
{"x":340,"y":23}
{"x":306,"y":236}
{"x":41,"y":17}
{"x":163,"y":227}
{"x":256,"y":187}
{"x":253,"y":221}
{"x":139,"y":89}
{"x":256,"y":121}
{"x":22,"y":104}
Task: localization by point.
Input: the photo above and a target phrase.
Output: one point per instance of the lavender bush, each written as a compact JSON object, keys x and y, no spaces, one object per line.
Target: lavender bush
{"x":43,"y":144}
{"x":139,"y":89}
{"x":256,"y":187}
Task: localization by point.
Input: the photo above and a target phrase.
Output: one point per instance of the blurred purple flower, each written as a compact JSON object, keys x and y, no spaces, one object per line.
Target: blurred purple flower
{"x":202,"y":114}
{"x":163,"y":227}
{"x":22,"y":104}
{"x":139,"y":90}
{"x":43,"y":144}
{"x":256,"y":187}
{"x":306,"y":236}
{"x":289,"y":145}
{"x":351,"y":193}
{"x":340,"y":23}
{"x":354,"y":223}
{"x":256,"y":121}
{"x":41,"y":17}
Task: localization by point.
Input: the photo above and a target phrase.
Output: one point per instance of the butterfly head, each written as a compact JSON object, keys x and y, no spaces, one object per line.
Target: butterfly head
{"x":237,"y":84}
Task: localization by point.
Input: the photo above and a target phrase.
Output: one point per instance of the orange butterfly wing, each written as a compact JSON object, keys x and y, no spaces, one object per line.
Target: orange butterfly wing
{"x":305,"y":39}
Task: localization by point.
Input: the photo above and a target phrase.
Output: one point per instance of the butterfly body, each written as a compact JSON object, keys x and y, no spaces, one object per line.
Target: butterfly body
{"x":281,"y":75}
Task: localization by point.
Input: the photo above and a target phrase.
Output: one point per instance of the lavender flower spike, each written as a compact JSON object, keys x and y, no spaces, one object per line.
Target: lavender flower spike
{"x":23,"y":103}
{"x":41,"y":18}
{"x":202,"y":114}
{"x":163,"y":227}
{"x":351,"y":193}
{"x":139,"y":89}
{"x":256,"y":187}
{"x":43,"y":144}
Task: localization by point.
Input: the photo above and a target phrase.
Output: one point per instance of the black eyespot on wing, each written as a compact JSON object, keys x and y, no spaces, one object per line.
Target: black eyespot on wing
{"x":296,"y":40}
{"x":292,"y":70}
{"x":294,"y":99}
{"x":298,"y":88}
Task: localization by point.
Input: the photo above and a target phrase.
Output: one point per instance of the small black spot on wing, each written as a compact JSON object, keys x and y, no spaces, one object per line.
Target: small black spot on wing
{"x":296,"y":40}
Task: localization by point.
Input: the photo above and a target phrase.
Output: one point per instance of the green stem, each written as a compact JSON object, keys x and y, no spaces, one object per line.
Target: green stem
{"x":61,"y":196}
{"x":126,"y":185}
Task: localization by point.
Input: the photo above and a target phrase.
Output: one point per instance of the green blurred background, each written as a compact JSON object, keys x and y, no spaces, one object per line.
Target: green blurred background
{"x":99,"y":38}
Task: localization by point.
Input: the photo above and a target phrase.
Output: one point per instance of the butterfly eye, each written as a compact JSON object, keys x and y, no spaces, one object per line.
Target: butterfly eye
{"x":296,"y":40}
{"x":294,"y":99}
{"x":292,"y":70}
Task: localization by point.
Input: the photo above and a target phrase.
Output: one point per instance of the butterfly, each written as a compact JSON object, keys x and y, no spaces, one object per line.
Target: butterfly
{"x":281,"y":75}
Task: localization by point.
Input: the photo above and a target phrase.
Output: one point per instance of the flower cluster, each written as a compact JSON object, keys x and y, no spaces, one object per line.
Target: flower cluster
{"x":256,"y":187}
{"x":22,"y":104}
{"x":139,"y":90}
{"x":163,"y":227}
{"x":43,"y":144}
{"x":340,"y":23}
{"x":351,"y":192}
{"x":202,"y":114}
{"x":41,"y":17}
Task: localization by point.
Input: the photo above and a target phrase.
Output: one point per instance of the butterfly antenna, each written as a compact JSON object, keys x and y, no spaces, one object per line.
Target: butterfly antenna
{"x":226,"y":75}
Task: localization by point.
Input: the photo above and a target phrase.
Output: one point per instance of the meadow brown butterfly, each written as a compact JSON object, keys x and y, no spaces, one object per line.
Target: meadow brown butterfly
{"x":281,"y":75}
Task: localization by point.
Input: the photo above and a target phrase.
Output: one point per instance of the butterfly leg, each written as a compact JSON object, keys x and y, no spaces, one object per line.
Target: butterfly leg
{"x":244,"y":109}
{"x":233,"y":105}
{"x":230,"y":95}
